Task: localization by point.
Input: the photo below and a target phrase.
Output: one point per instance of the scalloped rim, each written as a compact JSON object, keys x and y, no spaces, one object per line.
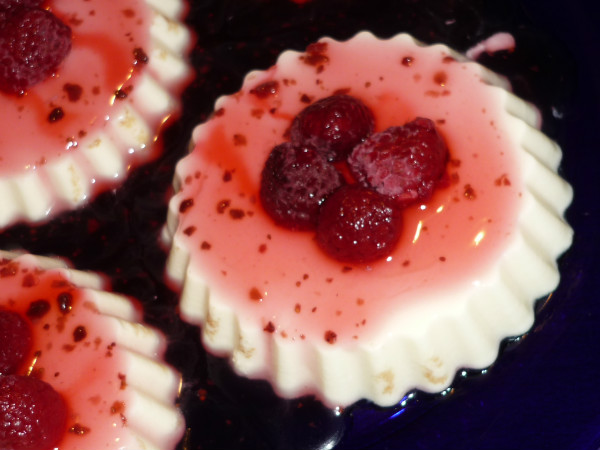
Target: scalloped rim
{"x":426,"y":357}
{"x":109,"y":154}
{"x":154,"y":420}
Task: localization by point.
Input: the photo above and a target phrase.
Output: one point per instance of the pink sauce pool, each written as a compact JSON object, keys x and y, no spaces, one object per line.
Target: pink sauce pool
{"x":73,"y":351}
{"x":105,"y":37}
{"x":279,"y":278}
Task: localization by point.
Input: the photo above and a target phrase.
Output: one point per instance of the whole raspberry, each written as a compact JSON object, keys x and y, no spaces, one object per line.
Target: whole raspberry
{"x":333,"y":125}
{"x":405,"y":162}
{"x":32,"y":414}
{"x":294,"y":183}
{"x":358,"y":225}
{"x":32,"y":44}
{"x":15,"y":341}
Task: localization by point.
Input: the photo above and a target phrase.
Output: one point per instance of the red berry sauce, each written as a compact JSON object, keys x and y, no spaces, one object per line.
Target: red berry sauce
{"x":99,"y":63}
{"x":74,"y":350}
{"x":84,"y":127}
{"x":446,"y":244}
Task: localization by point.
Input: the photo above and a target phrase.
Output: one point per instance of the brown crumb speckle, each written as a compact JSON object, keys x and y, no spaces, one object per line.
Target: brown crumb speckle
{"x":255,"y":295}
{"x":56,"y":114}
{"x":502,"y":180}
{"x":79,"y":333}
{"x":330,"y":337}
{"x":188,"y":231}
{"x":469,"y":192}
{"x":223,"y":205}
{"x":236,"y":214}
{"x":79,"y":430}
{"x":239,"y":139}
{"x":186,"y":204}
{"x":266,"y":89}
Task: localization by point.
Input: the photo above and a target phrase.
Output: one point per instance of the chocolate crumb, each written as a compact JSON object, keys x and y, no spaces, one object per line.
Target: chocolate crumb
{"x":79,"y":430}
{"x":469,"y":192}
{"x":223,"y":205}
{"x":330,"y":337}
{"x":56,"y":114}
{"x":38,"y":309}
{"x":189,"y":230}
{"x":79,"y":333}
{"x":239,"y":140}
{"x":73,"y":91}
{"x":186,"y":204}
{"x":236,"y":214}
{"x":140,"y":56}
{"x":255,"y":295}
{"x":65,"y":302}
{"x":266,"y":89}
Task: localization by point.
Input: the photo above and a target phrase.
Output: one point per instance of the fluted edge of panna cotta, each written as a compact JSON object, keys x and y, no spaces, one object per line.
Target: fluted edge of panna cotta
{"x":120,"y":141}
{"x":424,"y":342}
{"x":143,"y":412}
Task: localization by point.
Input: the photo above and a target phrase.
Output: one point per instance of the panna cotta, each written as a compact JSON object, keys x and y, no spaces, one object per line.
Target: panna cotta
{"x":470,"y":261}
{"x":100,"y":113}
{"x":90,"y":346}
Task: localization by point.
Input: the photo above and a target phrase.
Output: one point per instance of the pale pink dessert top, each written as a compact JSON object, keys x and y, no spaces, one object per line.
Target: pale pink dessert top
{"x":280,"y":278}
{"x":110,"y":39}
{"x":75,"y":351}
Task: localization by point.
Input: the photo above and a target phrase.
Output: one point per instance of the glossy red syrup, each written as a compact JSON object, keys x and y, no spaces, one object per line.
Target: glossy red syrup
{"x":279,"y":278}
{"x":102,"y":62}
{"x":74,"y":351}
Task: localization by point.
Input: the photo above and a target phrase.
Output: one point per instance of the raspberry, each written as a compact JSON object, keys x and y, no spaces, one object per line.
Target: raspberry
{"x":405,"y":162}
{"x":295,"y":181}
{"x":32,"y":414}
{"x":358,"y":225}
{"x":15,"y":341}
{"x":333,"y":125}
{"x":32,"y":44}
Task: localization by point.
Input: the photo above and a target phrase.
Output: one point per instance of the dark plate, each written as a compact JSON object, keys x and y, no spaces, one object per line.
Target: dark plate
{"x":541,"y":393}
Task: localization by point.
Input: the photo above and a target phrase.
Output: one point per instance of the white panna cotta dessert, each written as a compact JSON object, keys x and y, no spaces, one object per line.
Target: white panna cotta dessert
{"x":90,"y":346}
{"x":101,"y":112}
{"x":470,"y":261}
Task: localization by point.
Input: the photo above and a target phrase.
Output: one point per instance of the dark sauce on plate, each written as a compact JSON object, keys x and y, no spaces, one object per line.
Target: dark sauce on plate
{"x":118,"y":233}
